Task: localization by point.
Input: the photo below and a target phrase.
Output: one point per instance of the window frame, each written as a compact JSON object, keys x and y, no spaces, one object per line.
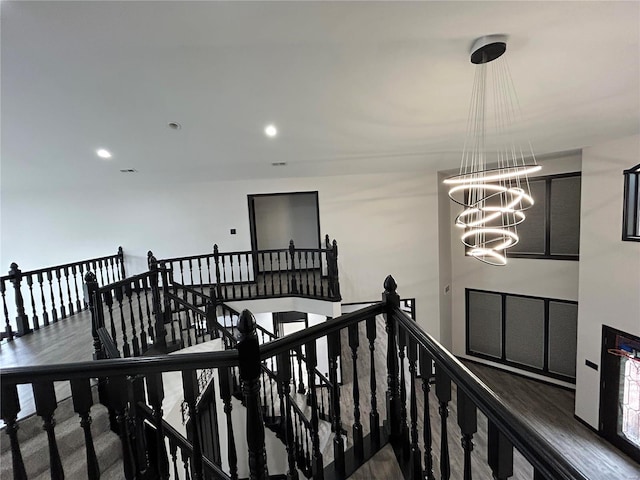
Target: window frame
{"x":547,"y":255}
{"x":544,"y":371}
{"x":631,"y":199}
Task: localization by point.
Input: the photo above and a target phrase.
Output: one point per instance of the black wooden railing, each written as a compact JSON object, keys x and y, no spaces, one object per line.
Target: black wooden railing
{"x":51,"y":293}
{"x":292,"y":271}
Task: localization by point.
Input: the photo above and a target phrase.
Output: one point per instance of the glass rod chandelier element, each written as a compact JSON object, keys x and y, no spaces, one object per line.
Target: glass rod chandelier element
{"x":492,"y":185}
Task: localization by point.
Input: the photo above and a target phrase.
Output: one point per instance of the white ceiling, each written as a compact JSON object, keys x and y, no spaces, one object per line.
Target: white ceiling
{"x":352,"y":86}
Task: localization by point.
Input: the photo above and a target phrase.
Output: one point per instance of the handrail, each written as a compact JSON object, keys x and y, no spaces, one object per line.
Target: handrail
{"x":107,"y":343}
{"x":66,"y":265}
{"x":127,"y":281}
{"x":182,"y":442}
{"x":243,"y":252}
{"x":532,"y":446}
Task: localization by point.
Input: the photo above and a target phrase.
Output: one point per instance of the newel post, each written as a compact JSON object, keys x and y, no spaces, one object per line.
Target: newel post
{"x":121,"y":259}
{"x":160,"y":331}
{"x":91,"y":298}
{"x":22,"y":321}
{"x":249,"y":353}
{"x":392,"y":301}
{"x":336,"y":278}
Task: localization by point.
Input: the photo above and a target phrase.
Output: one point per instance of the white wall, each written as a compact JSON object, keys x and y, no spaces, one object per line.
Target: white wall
{"x":384,"y":224}
{"x":544,"y":278}
{"x":609,"y":291}
{"x":280,"y":218}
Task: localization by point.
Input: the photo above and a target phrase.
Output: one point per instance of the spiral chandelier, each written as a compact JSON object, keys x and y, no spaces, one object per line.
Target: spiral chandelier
{"x":492,"y":185}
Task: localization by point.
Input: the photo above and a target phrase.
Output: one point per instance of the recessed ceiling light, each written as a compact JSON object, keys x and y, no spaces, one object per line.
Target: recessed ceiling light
{"x":102,"y":153}
{"x":174,"y":126}
{"x":270,"y":131}
{"x":278,"y":164}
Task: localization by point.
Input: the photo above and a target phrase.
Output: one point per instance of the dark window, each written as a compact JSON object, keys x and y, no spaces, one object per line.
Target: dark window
{"x":531,"y":333}
{"x":631,"y":208}
{"x":552,"y":227}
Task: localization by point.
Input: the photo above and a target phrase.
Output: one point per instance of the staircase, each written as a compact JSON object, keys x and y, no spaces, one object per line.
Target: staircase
{"x":70,"y":443}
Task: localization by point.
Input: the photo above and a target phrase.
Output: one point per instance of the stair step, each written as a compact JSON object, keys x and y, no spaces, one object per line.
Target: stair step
{"x":108,"y":450}
{"x":69,"y":438}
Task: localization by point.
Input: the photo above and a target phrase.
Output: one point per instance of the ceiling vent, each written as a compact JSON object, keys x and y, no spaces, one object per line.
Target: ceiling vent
{"x":278,"y":164}
{"x":128,"y":170}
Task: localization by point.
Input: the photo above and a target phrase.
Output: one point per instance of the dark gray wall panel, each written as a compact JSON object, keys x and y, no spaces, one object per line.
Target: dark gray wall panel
{"x":524,"y":336}
{"x":563,"y":333}
{"x":485,"y":323}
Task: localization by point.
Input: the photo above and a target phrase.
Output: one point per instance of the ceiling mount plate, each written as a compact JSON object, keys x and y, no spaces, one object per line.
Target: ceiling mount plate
{"x":488,"y":48}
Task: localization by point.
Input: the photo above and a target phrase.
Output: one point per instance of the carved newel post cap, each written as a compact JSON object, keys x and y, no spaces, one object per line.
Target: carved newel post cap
{"x":90,"y":277}
{"x":246,"y":324}
{"x":120,"y":252}
{"x":215,"y":248}
{"x":390,"y":284}
{"x":13,"y":268}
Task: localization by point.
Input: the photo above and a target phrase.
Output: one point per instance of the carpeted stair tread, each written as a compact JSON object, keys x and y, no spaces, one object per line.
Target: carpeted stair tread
{"x":114,"y":472}
{"x":69,"y":438}
{"x":108,"y":450}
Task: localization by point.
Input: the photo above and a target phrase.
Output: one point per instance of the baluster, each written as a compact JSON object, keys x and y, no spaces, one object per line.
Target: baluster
{"x":63,"y":310}
{"x":7,"y":322}
{"x":98,"y":267}
{"x":246,"y":257}
{"x":126,"y":348}
{"x":293,"y":286}
{"x":271,"y":273}
{"x":240,"y":280}
{"x":208,"y":270}
{"x":185,"y":463}
{"x":402,"y":343}
{"x":333,"y":341}
{"x":301,"y":388}
{"x":200,"y":273}
{"x":264,"y":275}
{"x":82,"y":401}
{"x":45,"y":399}
{"x":145,"y":288}
{"x":394,"y":416}
{"x":173,"y":449}
{"x":36,"y":323}
{"x":292,"y":366}
{"x":468,"y":423}
{"x":191,"y":271}
{"x":443,"y":392}
{"x":121,"y":260}
{"x":249,"y":356}
{"x":190,"y":383}
{"x":321,"y":280}
{"x":95,"y":305}
{"x":233,"y":280}
{"x":118,"y":393}
{"x":500,"y":452}
{"x":412,"y":356}
{"x":54,"y":312}
{"x":300,"y":272}
{"x":106,"y":268}
{"x":110,"y":265}
{"x":225,"y":393}
{"x":9,"y":409}
{"x":75,"y":285}
{"x":306,"y":271}
{"x":336,"y":278}
{"x":45,"y":314}
{"x":224,"y":279}
{"x":155,"y":392}
{"x":138,"y":285}
{"x":374,"y":417}
{"x":425,"y":371}
{"x":66,"y":276}
{"x":134,"y":334}
{"x":216,"y":258}
{"x":22,"y":321}
{"x":313,"y":270}
{"x":312,"y":362}
{"x":108,"y":300}
{"x":273,"y":412}
{"x":279,"y":273}
{"x":354,"y":343}
{"x":284,"y":379}
{"x":160,"y":332}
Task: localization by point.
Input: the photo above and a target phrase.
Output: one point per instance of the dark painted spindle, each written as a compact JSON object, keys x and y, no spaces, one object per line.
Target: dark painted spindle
{"x":189,"y":387}
{"x":374,"y":417}
{"x":9,"y":409}
{"x":225,"y":394}
{"x":173,"y":449}
{"x":412,"y":356}
{"x":246,"y":258}
{"x":184,"y":454}
{"x":249,"y":356}
{"x":45,"y":314}
{"x":306,"y":271}
{"x":138,"y":287}
{"x":468,"y":423}
{"x":284,"y":379}
{"x":82,"y":402}
{"x":224,"y":279}
{"x":155,"y":392}
{"x":145,"y":292}
{"x":333,"y":341}
{"x":271,"y":273}
{"x":301,"y":387}
{"x":209,"y":270}
{"x":108,"y":301}
{"x":354,"y":342}
{"x":110,"y":268}
{"x":118,"y":397}
{"x":36,"y":323}
{"x":121,"y":261}
{"x":22,"y":321}
{"x":191,"y":271}
{"x":5,"y":311}
{"x":74,"y":272}
{"x":54,"y":312}
{"x":402,"y":343}
{"x":443,"y":392}
{"x":279,"y":274}
{"x":391,"y":298}
{"x":126,"y":348}
{"x":90,"y":292}
{"x":300,"y":272}
{"x":216,"y":258}
{"x":293,"y":288}
{"x":312,"y":362}
{"x":66,"y":276}
{"x":44,"y":396}
{"x":200,"y":271}
{"x":233,"y":280}
{"x":63,"y":310}
{"x":425,"y":372}
{"x":500,"y":453}
{"x":240,"y":280}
